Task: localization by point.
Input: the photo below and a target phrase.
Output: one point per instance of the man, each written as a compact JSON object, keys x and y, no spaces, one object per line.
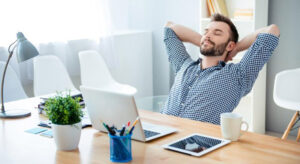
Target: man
{"x":205,"y":88}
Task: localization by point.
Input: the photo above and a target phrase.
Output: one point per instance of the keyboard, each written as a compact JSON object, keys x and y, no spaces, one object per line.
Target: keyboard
{"x":41,"y":106}
{"x":150,"y":133}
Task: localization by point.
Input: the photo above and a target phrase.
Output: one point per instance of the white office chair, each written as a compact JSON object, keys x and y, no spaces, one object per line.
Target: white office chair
{"x":50,"y":76}
{"x":287,"y":95}
{"x":13,"y":89}
{"x":94,"y":73}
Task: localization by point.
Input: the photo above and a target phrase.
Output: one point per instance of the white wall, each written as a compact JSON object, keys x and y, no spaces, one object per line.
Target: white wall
{"x":151,"y":15}
{"x":286,"y":56}
{"x":119,"y":14}
{"x":134,"y":61}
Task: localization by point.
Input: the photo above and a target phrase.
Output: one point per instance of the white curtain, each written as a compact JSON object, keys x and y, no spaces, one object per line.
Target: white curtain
{"x":57,"y":27}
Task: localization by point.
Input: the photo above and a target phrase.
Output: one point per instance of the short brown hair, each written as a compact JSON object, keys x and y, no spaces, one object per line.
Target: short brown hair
{"x":221,"y":18}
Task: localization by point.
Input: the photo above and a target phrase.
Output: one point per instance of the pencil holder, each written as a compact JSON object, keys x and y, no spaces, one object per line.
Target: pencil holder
{"x":120,"y":148}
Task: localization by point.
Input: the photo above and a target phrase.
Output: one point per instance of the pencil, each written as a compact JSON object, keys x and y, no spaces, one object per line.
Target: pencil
{"x":136,"y":120}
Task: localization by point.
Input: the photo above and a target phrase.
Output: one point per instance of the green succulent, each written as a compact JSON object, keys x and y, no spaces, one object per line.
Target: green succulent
{"x":63,"y":110}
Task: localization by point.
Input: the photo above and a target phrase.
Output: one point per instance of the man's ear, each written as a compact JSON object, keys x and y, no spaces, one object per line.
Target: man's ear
{"x":230,"y":46}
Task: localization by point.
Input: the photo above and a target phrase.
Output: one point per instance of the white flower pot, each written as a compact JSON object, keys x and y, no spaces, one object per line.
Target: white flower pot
{"x":67,"y":136}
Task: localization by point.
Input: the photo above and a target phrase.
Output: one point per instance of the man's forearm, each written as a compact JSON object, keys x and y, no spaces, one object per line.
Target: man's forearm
{"x":185,"y":34}
{"x":247,"y":41}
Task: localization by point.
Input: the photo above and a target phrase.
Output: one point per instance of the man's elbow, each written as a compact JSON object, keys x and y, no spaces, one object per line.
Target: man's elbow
{"x":273,"y":29}
{"x":169,"y":24}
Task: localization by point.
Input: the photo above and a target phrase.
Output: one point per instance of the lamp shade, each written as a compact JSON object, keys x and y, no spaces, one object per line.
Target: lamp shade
{"x":25,"y":49}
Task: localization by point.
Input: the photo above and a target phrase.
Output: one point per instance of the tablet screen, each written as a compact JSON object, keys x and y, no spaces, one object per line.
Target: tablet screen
{"x":196,"y":143}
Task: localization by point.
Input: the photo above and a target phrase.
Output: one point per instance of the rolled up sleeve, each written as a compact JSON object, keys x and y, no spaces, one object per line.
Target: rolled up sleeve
{"x":255,"y":58}
{"x":176,"y":51}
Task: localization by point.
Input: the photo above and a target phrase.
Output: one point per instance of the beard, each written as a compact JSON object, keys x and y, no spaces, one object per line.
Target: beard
{"x":215,"y":50}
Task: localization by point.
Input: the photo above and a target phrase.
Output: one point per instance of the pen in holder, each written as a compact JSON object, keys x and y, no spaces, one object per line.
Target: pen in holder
{"x":120,"y":148}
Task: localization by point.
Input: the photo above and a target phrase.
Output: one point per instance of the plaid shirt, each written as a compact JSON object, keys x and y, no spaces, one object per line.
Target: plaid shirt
{"x":203,"y":94}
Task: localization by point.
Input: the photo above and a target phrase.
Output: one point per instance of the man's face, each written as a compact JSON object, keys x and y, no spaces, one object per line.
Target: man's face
{"x":215,"y":39}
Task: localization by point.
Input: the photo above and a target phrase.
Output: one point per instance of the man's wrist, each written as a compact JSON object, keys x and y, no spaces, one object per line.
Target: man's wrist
{"x":238,"y":47}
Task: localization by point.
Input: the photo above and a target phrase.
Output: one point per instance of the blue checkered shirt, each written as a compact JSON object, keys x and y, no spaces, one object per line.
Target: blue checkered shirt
{"x":203,"y":94}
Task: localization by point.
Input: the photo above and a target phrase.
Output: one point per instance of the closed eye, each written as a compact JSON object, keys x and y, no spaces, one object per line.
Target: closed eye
{"x":218,"y":32}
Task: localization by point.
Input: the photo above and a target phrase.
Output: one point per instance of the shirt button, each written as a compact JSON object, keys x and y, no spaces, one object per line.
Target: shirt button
{"x":189,"y":87}
{"x":196,"y":75}
{"x":182,"y":104}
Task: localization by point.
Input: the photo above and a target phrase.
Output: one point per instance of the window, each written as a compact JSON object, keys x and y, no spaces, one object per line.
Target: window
{"x":44,"y":21}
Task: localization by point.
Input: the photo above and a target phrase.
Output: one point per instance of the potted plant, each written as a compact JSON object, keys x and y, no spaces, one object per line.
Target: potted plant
{"x":65,"y":114}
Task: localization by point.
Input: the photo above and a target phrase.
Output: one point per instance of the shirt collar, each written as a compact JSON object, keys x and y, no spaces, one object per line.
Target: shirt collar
{"x":220,"y":65}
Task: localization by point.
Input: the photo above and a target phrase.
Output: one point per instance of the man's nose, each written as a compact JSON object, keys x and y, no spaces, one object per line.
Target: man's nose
{"x":207,"y":36}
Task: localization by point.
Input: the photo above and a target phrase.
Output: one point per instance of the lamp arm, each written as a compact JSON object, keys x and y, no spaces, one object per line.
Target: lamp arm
{"x":3,"y":77}
{"x":9,"y":51}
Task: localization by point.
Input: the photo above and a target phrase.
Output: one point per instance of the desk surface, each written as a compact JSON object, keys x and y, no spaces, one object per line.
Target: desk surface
{"x":16,"y":146}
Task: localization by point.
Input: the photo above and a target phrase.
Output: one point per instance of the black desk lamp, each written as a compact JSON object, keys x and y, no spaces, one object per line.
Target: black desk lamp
{"x":25,"y":51}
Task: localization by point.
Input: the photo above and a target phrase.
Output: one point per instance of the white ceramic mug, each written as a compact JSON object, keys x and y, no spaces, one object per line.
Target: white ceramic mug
{"x":231,"y":124}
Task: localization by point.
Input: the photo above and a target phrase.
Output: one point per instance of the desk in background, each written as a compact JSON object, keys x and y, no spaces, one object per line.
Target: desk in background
{"x":16,"y":146}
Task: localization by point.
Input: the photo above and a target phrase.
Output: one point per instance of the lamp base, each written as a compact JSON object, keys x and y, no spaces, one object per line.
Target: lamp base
{"x":15,"y":114}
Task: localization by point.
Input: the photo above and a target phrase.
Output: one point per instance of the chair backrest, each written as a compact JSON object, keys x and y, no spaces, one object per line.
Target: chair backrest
{"x":50,"y":76}
{"x":94,"y":71}
{"x":13,"y":89}
{"x":287,"y":89}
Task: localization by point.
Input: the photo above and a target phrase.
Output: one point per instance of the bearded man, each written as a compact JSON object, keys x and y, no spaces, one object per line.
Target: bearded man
{"x":205,"y":88}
